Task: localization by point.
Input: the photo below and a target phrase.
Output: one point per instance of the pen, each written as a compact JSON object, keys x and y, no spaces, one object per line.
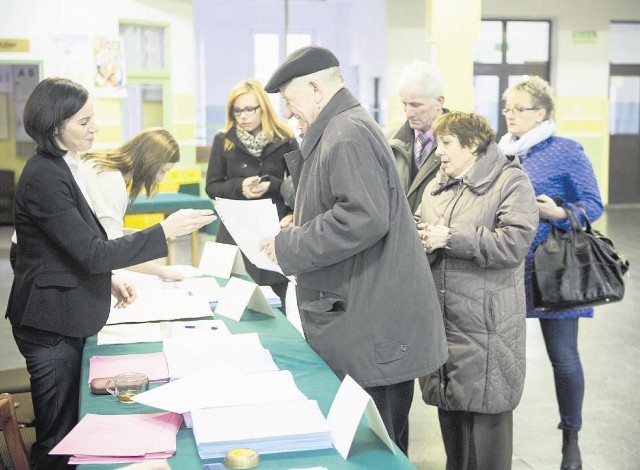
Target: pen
{"x":193,"y":327}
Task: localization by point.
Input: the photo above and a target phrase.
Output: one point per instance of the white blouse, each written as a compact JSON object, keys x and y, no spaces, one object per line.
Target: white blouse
{"x":108,"y":194}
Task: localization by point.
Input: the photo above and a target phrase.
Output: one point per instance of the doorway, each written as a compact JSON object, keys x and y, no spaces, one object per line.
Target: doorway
{"x":624,"y":113}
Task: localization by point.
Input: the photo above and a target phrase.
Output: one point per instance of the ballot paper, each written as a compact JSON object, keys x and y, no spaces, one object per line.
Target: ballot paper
{"x":103,"y":439}
{"x":161,"y":305}
{"x":265,"y":427}
{"x":221,"y":385}
{"x":242,"y":351}
{"x":249,"y":222}
{"x":154,"y":365}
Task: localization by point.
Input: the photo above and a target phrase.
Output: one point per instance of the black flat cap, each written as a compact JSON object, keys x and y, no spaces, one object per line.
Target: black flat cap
{"x":299,"y":63}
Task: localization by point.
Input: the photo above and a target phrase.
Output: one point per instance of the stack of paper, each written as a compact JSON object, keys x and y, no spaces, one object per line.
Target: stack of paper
{"x":104,"y":439}
{"x":152,"y":364}
{"x":268,"y":428}
{"x":242,"y":351}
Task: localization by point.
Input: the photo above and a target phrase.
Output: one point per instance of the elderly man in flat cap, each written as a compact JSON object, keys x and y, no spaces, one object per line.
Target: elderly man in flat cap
{"x":366,"y":296}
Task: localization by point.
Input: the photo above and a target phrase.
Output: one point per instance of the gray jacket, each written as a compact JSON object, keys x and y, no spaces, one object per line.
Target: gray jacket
{"x":365,"y":292}
{"x":493,"y":217}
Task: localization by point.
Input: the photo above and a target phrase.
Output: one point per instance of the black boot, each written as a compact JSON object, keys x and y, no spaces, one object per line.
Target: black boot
{"x":570,"y":451}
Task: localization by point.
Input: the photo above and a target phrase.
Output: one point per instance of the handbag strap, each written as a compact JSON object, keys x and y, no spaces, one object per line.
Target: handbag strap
{"x":585,"y":217}
{"x":579,"y":232}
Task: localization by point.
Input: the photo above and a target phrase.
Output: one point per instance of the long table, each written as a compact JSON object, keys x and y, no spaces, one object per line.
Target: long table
{"x":290,"y":351}
{"x":166,"y":203}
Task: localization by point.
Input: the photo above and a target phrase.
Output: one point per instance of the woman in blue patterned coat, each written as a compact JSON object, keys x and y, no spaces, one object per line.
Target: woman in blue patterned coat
{"x":561,"y":175}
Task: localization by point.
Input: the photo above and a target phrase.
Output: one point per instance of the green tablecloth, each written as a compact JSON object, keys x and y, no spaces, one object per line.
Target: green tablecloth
{"x":290,"y":351}
{"x":167,"y":203}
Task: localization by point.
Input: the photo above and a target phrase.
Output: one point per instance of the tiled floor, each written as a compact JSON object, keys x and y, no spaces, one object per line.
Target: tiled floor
{"x":610,"y":349}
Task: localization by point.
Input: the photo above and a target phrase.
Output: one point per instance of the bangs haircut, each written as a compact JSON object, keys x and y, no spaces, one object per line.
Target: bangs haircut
{"x":469,"y":128}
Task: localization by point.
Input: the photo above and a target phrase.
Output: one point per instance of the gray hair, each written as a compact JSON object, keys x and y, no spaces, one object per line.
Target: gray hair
{"x":423,"y":76}
{"x":330,"y":75}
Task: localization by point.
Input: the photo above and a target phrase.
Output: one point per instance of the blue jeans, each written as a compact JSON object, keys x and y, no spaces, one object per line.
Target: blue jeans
{"x":561,"y":340}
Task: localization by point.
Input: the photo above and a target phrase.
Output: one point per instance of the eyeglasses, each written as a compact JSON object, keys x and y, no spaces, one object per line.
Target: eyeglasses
{"x":517,"y":110}
{"x":249,"y":110}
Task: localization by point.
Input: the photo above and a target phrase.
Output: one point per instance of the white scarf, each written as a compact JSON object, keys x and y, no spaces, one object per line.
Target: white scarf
{"x":512,"y":145}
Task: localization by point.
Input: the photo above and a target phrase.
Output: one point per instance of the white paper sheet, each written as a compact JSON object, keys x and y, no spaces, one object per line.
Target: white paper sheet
{"x":345,"y":414}
{"x":239,"y":294}
{"x":161,"y":305}
{"x":221,"y":260}
{"x":249,"y":222}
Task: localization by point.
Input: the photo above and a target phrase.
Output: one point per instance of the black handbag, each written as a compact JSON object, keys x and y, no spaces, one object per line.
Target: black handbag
{"x":575,"y":269}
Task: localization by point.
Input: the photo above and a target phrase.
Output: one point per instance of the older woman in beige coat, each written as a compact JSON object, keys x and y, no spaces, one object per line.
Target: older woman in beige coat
{"x":478,"y":217}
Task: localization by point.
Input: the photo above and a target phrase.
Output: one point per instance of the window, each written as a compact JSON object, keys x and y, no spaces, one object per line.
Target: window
{"x":148,"y":76}
{"x":505,"y":51}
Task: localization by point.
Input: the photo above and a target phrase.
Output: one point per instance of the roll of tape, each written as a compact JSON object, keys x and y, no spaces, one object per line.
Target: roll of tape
{"x":241,"y":458}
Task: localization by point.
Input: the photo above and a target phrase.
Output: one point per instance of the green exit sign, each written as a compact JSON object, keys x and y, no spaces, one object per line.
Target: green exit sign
{"x":585,"y":37}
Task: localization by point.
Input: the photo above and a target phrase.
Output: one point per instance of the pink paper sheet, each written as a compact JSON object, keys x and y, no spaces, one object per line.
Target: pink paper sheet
{"x":152,"y":364}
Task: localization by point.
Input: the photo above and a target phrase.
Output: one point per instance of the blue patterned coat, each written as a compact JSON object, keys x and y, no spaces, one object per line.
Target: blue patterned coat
{"x":558,"y":167}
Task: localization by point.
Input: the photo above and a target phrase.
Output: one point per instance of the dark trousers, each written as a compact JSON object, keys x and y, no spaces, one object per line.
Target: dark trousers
{"x":393,"y":403}
{"x":561,"y":340}
{"x":13,"y":254}
{"x":477,"y":441}
{"x":280,"y":289}
{"x":54,"y":363}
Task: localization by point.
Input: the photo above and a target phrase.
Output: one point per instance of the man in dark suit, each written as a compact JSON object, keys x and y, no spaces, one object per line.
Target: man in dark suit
{"x":421,"y":92}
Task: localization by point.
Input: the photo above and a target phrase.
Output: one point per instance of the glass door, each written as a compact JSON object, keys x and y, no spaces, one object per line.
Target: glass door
{"x":624,"y":113}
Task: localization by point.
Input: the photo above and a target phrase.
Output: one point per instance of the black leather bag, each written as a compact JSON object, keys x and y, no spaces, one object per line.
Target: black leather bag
{"x":577,"y":269}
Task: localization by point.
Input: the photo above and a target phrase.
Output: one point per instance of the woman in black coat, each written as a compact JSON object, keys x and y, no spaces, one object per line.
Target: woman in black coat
{"x":247,"y":162}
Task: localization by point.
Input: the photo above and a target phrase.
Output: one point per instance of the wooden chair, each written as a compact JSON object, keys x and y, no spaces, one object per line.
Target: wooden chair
{"x":17,"y":451}
{"x":17,"y":382}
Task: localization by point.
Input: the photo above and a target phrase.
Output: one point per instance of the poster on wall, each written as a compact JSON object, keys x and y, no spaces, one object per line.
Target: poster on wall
{"x":70,"y":57}
{"x":6,"y":81}
{"x":110,"y":68}
{"x":4,"y":116}
{"x":25,"y":78}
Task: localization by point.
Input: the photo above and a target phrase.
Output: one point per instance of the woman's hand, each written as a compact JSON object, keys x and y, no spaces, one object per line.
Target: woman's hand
{"x":433,"y":235}
{"x":167,"y":273}
{"x":287,"y":220}
{"x":253,"y":188}
{"x":185,"y":221}
{"x":268,"y":246}
{"x":549,"y":209}
{"x":124,"y":292}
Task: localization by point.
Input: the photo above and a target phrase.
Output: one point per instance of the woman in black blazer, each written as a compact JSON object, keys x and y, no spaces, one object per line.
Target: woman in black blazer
{"x":62,"y":281}
{"x":247,"y":162}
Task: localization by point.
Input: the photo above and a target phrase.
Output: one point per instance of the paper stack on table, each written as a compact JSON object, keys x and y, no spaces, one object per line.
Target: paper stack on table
{"x":152,"y":364}
{"x":242,"y":351}
{"x":267,"y":428}
{"x":104,"y":439}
